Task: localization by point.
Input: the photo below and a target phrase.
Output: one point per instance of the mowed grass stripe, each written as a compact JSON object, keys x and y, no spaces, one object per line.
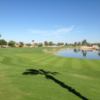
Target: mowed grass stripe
{"x":30,"y":56}
{"x":8,"y":90}
{"x":76,"y":64}
{"x":86,"y":65}
{"x":95,"y":65}
{"x":53,"y":61}
{"x":35,"y":59}
{"x":42,"y":58}
{"x":49,"y":60}
{"x":59,"y":63}
{"x":82,"y":75}
{"x":67,"y":64}
{"x":94,"y":69}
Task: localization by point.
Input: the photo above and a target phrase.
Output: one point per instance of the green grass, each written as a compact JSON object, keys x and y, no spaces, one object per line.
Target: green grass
{"x":82,"y":75}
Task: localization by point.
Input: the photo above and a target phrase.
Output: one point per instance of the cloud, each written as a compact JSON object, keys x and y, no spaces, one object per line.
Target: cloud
{"x":55,"y":31}
{"x":64,"y":30}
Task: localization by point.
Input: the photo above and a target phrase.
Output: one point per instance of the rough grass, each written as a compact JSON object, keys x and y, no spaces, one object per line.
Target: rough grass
{"x":82,"y":75}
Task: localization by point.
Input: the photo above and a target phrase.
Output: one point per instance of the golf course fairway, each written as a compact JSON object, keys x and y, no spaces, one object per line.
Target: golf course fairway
{"x":82,"y":75}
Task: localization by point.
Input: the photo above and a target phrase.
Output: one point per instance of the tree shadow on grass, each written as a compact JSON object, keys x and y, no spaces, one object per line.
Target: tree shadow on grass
{"x":49,"y":75}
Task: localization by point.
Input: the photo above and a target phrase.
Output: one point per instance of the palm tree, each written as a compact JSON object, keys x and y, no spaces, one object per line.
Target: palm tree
{"x":84,"y":42}
{"x":33,"y":43}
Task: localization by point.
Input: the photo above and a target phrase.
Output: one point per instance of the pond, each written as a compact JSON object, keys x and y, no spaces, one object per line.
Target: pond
{"x":77,"y":53}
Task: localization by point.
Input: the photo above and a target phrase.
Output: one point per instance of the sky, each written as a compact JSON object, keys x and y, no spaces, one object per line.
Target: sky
{"x":50,"y":20}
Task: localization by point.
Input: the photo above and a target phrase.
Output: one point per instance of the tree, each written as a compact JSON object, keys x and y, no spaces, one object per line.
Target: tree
{"x":3,"y":42}
{"x":11,"y":43}
{"x":46,"y":43}
{"x":84,"y":42}
{"x":50,"y":43}
{"x":75,"y":43}
{"x":28,"y":44}
{"x":66,"y":44}
{"x":99,"y":44}
{"x":78,"y":43}
{"x":33,"y":44}
{"x":21,"y":44}
{"x":60,"y":44}
{"x":40,"y":44}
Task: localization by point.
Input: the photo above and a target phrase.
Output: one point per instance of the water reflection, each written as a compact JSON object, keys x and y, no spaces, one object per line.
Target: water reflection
{"x":77,"y":53}
{"x":76,"y":50}
{"x":99,"y":53}
{"x":84,"y":53}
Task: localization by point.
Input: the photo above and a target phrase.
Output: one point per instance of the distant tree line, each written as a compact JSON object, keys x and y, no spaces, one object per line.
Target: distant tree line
{"x":4,"y":43}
